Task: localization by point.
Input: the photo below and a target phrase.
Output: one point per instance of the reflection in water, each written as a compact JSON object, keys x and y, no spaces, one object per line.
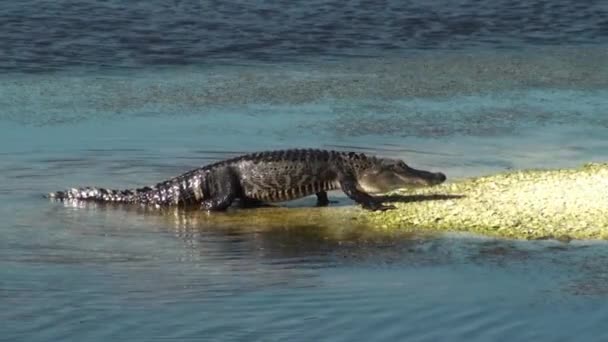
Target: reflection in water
{"x":316,"y":236}
{"x":312,"y":237}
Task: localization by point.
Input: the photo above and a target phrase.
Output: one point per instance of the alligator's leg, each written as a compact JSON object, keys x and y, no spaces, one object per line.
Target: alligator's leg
{"x":367,"y":201}
{"x":218,"y":203}
{"x":222,"y":186}
{"x":322,"y":199}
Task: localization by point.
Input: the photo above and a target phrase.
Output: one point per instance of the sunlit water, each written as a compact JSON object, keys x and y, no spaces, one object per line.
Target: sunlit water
{"x":141,"y":93}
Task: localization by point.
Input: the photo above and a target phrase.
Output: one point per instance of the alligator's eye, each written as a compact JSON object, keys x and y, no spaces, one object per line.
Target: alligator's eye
{"x":402,"y":164}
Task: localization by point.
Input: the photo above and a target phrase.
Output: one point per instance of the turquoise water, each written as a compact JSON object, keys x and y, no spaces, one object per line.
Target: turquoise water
{"x":125,"y":95}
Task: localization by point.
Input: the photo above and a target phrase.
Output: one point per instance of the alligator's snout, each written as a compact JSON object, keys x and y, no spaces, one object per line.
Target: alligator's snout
{"x":438,"y":178}
{"x":423,"y":178}
{"x":392,"y":175}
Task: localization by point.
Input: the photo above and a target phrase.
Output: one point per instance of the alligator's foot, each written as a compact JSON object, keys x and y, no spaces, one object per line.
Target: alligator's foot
{"x":367,"y":201}
{"x":322,"y":200}
{"x":377,"y":206}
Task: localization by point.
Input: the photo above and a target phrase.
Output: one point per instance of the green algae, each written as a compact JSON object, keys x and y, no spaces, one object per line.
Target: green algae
{"x":527,"y":204}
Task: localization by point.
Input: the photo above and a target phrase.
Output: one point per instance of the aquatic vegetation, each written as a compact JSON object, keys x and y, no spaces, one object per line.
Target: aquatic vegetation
{"x":530,"y":204}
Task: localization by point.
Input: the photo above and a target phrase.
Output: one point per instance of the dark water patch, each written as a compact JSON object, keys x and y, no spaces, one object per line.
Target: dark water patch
{"x":42,"y":36}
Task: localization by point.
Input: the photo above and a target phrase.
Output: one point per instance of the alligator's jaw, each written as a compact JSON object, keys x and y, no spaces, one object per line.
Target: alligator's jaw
{"x":387,"y":181}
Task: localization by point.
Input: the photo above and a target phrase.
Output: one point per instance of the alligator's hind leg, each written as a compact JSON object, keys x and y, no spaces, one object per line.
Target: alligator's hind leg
{"x":223,"y":187}
{"x":322,"y":200}
{"x":367,"y":201}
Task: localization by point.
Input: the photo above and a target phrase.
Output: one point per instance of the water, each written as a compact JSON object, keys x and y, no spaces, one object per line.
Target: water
{"x":40,"y":35}
{"x":124,"y":95}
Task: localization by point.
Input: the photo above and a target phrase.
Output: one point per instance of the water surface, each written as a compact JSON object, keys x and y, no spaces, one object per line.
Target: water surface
{"x":41,"y":35}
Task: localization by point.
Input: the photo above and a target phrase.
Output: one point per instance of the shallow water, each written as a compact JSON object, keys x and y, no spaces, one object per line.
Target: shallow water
{"x":482,"y":90}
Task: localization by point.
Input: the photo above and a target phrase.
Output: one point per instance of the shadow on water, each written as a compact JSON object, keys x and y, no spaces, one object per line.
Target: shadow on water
{"x":417,"y":198}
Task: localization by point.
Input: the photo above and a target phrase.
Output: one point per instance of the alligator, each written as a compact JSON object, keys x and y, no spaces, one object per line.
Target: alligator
{"x":257,"y":179}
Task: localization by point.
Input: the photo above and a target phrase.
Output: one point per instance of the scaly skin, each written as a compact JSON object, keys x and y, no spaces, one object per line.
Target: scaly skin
{"x":272,"y":176}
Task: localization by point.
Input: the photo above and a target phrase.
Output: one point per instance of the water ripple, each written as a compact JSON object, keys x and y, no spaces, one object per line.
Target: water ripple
{"x":41,"y":35}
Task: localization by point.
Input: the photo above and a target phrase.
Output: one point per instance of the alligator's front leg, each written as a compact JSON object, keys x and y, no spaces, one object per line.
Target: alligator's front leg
{"x":222,"y":186}
{"x":367,"y":201}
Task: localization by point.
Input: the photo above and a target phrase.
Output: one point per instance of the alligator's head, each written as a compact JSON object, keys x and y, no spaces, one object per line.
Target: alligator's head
{"x":390,"y":174}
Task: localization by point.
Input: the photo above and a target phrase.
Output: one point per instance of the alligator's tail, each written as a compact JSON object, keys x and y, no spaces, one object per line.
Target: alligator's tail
{"x":104,"y":195}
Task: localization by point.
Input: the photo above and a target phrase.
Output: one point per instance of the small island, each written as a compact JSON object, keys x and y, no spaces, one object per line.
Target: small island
{"x":527,"y":204}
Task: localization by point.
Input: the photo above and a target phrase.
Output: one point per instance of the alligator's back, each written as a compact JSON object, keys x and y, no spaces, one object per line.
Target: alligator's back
{"x":264,"y":176}
{"x":288,"y":174}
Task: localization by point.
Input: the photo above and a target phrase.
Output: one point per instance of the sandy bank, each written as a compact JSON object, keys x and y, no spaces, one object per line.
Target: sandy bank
{"x":562,"y":204}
